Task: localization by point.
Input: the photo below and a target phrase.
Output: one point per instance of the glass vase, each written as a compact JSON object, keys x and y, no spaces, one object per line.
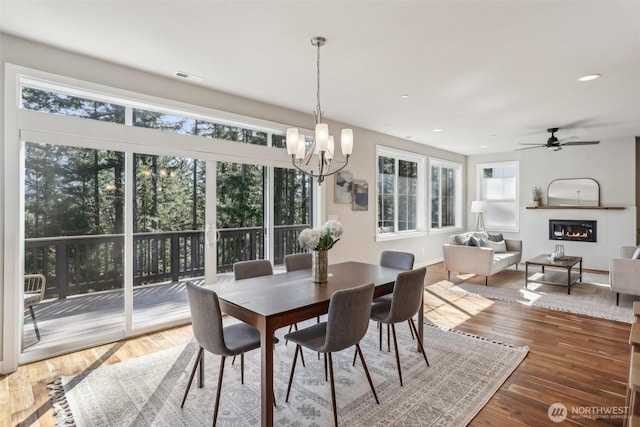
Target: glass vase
{"x":320,"y":266}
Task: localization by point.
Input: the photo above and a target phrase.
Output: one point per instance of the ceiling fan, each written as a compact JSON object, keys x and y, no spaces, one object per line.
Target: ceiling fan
{"x":555,"y":144}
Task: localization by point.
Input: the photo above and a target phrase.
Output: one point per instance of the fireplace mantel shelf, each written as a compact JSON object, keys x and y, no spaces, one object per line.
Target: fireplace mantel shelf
{"x":612,"y":208}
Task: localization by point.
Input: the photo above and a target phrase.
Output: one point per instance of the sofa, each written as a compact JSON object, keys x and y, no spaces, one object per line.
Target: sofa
{"x":624,"y":272}
{"x":480,"y":253}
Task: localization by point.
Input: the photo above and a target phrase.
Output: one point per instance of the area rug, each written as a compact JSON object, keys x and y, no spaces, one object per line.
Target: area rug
{"x":592,"y":296}
{"x":464,"y":372}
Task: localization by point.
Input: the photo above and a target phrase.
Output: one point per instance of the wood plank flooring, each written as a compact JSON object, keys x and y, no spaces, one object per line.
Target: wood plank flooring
{"x":575,"y":360}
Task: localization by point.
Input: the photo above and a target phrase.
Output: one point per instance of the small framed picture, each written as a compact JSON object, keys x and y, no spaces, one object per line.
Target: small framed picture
{"x":343,"y":191}
{"x":360,"y":195}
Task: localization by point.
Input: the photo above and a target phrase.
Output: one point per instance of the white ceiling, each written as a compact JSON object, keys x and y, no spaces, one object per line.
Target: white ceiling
{"x":492,"y":73}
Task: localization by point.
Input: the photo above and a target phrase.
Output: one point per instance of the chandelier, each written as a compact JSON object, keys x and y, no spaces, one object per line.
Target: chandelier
{"x":317,"y":160}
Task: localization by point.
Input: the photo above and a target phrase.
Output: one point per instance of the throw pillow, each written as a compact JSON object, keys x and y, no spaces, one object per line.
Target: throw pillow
{"x":471,"y":241}
{"x":460,"y":239}
{"x":497,"y":246}
{"x":496,"y":237}
{"x":636,"y":254}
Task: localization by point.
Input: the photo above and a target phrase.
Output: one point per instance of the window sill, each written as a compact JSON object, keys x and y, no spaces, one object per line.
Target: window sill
{"x":398,"y":236}
{"x":445,"y":230}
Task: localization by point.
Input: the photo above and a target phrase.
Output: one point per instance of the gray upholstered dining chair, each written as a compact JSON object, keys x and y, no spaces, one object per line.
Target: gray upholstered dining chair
{"x":399,"y":260}
{"x":346,"y":307}
{"x":232,"y":340}
{"x":255,"y":268}
{"x":405,"y":302}
{"x":295,"y":262}
{"x":252,"y":268}
{"x":394,"y":259}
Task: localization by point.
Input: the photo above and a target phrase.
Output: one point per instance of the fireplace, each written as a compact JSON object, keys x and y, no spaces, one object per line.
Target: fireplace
{"x":573,"y":230}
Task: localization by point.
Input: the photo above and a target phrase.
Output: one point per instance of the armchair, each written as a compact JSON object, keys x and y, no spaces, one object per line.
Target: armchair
{"x":624,"y":273}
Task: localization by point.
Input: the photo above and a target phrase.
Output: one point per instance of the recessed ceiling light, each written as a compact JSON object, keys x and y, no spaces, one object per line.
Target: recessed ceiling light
{"x":437,"y":130}
{"x":409,"y":137}
{"x":483,"y":146}
{"x":187,"y":76}
{"x":404,"y":95}
{"x":589,"y":77}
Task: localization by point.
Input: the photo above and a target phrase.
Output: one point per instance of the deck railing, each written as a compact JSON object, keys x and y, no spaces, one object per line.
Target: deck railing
{"x":82,"y":264}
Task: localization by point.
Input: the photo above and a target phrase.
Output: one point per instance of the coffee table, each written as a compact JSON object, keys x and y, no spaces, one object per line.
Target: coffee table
{"x":552,"y":276}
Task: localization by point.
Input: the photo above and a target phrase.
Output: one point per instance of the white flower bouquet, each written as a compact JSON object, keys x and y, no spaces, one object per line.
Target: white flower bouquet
{"x":323,"y":238}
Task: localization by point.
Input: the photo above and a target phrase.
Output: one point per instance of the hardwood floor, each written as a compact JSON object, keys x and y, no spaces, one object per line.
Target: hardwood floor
{"x":575,"y":360}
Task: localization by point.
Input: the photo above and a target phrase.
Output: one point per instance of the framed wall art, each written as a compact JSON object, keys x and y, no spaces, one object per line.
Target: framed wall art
{"x":360,"y":195}
{"x":343,"y":191}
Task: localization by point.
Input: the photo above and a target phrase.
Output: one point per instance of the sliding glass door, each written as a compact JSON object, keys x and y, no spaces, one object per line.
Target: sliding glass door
{"x":74,"y":225}
{"x":168,"y":235}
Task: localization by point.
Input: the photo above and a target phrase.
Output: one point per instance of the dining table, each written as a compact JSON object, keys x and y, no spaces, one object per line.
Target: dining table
{"x":275,"y":301}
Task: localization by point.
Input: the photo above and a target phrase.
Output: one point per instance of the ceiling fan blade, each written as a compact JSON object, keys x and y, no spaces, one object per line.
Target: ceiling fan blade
{"x":528,"y":148}
{"x":532,"y":143}
{"x":567,"y":139}
{"x":581,"y":143}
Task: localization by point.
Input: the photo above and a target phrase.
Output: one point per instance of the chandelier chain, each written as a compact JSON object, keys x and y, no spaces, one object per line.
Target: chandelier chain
{"x":318,"y":84}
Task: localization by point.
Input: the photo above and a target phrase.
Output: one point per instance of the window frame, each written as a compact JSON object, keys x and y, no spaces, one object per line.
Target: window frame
{"x":515,"y":202}
{"x":420,"y":160}
{"x":437,"y":162}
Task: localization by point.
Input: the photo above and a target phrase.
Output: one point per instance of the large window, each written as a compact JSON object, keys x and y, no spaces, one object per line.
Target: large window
{"x":445,"y":194}
{"x":400,"y":192}
{"x":498,"y":185}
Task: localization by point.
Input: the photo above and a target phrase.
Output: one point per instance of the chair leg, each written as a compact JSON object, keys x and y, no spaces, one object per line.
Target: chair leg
{"x":35,"y":324}
{"x":415,"y":330}
{"x":388,"y":339}
{"x":325,"y":367}
{"x":293,"y":326}
{"x":380,"y":328}
{"x":241,"y":368}
{"x":215,"y":411}
{"x":333,"y":392}
{"x":293,"y":369}
{"x":486,"y":280}
{"x":302,"y":358}
{"x":617,"y":298}
{"x":354,"y":357}
{"x":411,"y":330}
{"x":366,"y":371}
{"x":395,"y":346}
{"x":193,"y":374}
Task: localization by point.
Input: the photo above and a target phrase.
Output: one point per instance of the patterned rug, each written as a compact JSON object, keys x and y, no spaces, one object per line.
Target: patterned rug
{"x":464,"y":372}
{"x":592,"y":297}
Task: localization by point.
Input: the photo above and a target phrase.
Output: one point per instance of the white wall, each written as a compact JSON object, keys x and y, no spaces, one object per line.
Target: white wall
{"x":358,"y":242}
{"x":611,"y":164}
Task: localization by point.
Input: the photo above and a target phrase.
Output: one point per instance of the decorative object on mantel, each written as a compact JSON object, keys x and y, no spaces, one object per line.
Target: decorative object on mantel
{"x":321,"y":240}
{"x":322,"y":146}
{"x":604,"y":208}
{"x":536,"y":194}
{"x":573,"y":192}
{"x":478,"y":207}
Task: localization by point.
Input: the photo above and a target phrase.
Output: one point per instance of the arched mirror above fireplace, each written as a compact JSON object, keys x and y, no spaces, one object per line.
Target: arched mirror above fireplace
{"x":573,"y":192}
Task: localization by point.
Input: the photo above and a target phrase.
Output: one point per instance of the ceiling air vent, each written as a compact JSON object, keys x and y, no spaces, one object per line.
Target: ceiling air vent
{"x":188,"y":76}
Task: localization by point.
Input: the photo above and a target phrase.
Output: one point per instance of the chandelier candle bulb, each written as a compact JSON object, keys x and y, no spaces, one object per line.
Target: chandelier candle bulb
{"x":330,"y":147}
{"x":346,"y":141}
{"x":322,"y":136}
{"x":292,"y":141}
{"x":300,"y":147}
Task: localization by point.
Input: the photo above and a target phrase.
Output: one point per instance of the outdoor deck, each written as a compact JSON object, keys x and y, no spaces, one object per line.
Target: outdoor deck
{"x":64,"y":320}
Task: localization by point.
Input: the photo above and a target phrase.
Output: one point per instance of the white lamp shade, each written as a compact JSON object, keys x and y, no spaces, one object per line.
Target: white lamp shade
{"x":330,"y":147}
{"x":346,"y":141}
{"x":300,"y":147}
{"x":478,"y":206}
{"x":322,"y":136}
{"x":292,"y":141}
